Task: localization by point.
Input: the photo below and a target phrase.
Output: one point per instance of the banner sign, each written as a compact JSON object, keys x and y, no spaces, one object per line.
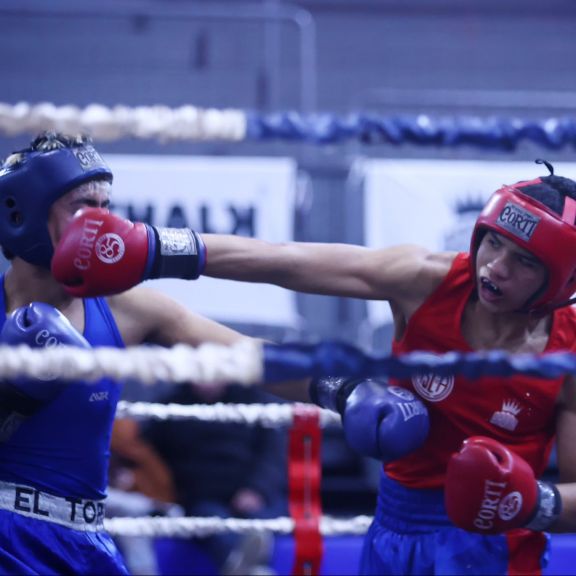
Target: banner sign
{"x":243,"y":196}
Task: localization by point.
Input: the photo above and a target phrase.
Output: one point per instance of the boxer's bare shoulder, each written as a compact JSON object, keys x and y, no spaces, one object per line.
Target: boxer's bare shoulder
{"x":145,"y":314}
{"x":407,"y":274}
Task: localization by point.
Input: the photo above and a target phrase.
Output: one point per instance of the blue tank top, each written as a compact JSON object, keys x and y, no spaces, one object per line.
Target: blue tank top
{"x":64,"y":448}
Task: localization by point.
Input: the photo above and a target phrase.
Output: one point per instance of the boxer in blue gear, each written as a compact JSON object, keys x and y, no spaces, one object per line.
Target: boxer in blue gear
{"x":48,"y":470}
{"x":54,"y":465}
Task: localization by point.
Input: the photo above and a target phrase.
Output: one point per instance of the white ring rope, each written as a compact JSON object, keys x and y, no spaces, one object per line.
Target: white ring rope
{"x":195,"y":526}
{"x":268,"y":415}
{"x":208,"y":363}
{"x":144,"y":122}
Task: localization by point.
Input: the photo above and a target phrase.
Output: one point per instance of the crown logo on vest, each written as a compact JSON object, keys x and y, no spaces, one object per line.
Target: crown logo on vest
{"x":506,"y":418}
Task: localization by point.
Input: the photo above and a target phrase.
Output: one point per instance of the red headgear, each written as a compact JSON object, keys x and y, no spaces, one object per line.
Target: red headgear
{"x":534,"y":227}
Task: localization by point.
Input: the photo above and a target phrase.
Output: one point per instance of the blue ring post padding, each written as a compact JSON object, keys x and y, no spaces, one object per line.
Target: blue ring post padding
{"x":294,"y":361}
{"x":488,"y":133}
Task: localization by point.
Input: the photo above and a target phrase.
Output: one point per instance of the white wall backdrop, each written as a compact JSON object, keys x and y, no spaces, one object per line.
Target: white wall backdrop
{"x":433,"y":202}
{"x":246,"y":196}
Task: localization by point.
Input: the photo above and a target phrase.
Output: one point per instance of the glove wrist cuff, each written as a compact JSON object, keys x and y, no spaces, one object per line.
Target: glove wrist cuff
{"x":331,"y":392}
{"x":548,"y":509}
{"x":178,"y":253}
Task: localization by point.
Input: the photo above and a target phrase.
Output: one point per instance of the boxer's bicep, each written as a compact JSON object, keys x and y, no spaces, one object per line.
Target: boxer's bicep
{"x":145,"y":315}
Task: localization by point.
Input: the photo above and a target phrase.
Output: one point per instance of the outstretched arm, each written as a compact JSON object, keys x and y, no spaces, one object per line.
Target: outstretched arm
{"x":101,"y":254}
{"x":332,"y":269}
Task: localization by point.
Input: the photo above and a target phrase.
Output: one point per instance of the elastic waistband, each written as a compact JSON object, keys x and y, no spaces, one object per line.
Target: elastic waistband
{"x":408,"y":509}
{"x":75,"y":513}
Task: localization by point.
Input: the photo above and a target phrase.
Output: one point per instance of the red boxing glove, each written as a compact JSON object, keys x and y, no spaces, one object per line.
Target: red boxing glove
{"x":490,"y":490}
{"x":101,"y":254}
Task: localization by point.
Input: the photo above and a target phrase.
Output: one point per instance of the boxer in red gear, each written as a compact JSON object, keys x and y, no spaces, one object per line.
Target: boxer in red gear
{"x":509,"y":292}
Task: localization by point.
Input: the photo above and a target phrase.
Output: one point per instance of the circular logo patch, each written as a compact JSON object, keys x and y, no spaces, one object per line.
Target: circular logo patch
{"x":433,"y":387}
{"x":510,"y":505}
{"x":109,"y":248}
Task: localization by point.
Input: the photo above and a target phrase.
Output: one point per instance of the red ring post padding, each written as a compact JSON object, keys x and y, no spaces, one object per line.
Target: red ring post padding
{"x":304,"y":476}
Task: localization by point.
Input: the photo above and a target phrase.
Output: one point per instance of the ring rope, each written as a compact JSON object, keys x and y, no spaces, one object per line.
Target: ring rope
{"x":251,"y":362}
{"x":269,"y":415}
{"x":189,"y":123}
{"x":185,"y":527}
{"x":143,"y":122}
{"x":208,"y":363}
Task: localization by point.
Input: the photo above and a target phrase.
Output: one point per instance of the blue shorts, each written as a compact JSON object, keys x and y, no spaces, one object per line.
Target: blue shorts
{"x":45,"y":534}
{"x":411,"y":534}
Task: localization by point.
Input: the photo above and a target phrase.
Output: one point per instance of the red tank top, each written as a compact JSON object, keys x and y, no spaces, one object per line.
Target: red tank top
{"x":517,"y":411}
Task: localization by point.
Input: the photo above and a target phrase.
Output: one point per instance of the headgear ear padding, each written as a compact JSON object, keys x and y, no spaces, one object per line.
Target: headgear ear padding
{"x":533,"y":226}
{"x":28,"y":188}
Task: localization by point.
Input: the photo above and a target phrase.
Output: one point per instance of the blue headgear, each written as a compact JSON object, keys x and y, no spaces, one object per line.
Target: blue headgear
{"x":30,"y":186}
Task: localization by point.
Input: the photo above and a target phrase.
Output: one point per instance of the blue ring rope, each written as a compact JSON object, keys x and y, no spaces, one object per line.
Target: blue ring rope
{"x":423,"y":130}
{"x":294,"y":361}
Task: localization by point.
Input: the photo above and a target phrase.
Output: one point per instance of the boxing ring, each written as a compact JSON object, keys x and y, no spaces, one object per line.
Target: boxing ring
{"x":251,"y":363}
{"x":303,"y":538}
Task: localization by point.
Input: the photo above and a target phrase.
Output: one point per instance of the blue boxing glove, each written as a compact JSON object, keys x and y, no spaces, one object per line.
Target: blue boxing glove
{"x":37,"y":325}
{"x":380,"y":421}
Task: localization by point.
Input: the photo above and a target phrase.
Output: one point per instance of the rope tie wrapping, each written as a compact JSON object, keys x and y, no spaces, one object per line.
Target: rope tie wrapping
{"x":304,"y":475}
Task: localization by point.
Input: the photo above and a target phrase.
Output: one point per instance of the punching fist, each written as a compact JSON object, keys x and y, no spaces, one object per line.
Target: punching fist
{"x":37,"y":325}
{"x":380,"y":421}
{"x":490,"y":490}
{"x":100,"y":254}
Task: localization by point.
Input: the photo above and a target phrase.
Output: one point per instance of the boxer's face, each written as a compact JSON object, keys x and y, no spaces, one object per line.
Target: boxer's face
{"x":507,"y":275}
{"x":95,"y":194}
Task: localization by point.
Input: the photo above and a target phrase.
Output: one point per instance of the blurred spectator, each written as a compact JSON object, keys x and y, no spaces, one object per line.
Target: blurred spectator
{"x":135,"y":466}
{"x":140,"y":484}
{"x":210,"y":469}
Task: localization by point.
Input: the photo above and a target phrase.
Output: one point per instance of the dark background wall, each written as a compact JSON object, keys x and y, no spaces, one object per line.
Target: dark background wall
{"x":436,"y":57}
{"x":413,"y":55}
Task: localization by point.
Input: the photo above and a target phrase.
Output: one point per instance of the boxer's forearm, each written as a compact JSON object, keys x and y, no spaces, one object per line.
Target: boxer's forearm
{"x":244,"y":259}
{"x":331,"y":269}
{"x":567,"y":520}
